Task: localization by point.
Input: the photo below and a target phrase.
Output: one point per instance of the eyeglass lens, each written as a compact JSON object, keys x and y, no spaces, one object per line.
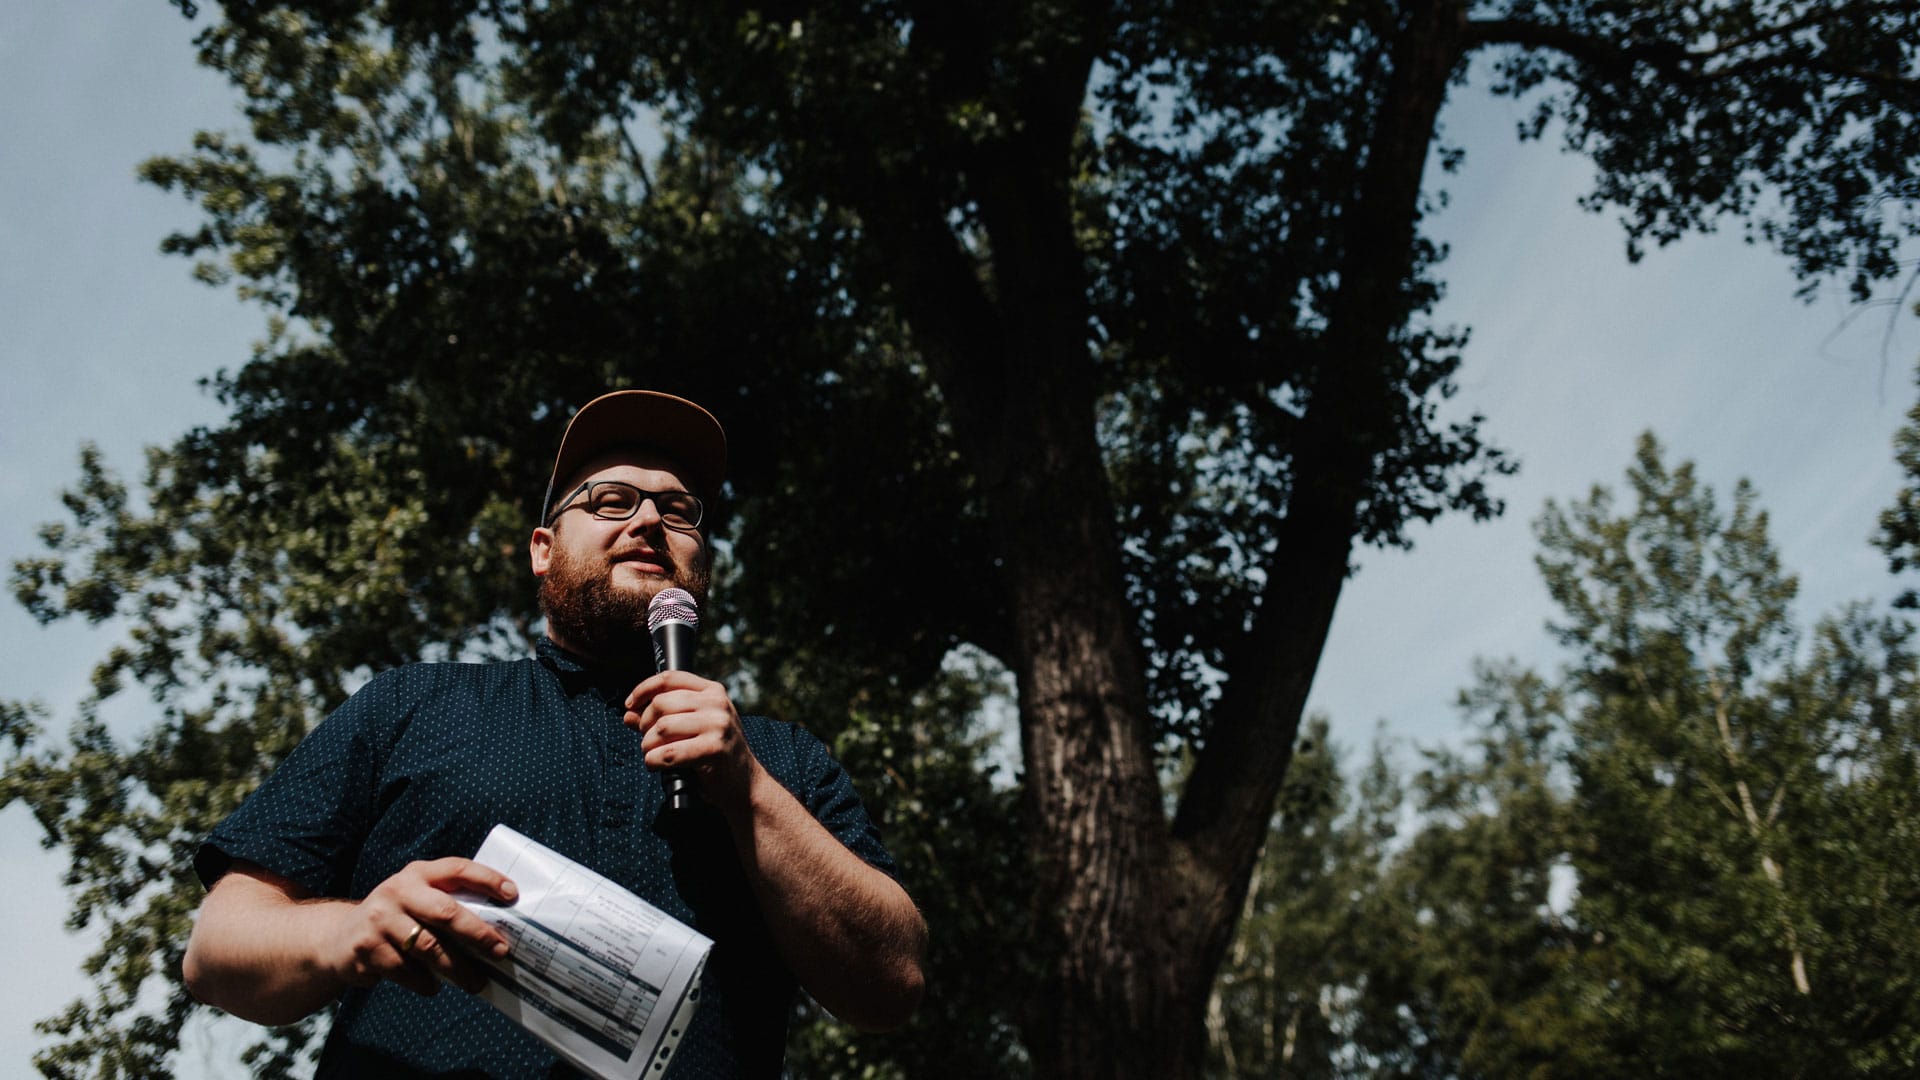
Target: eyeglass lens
{"x":617,"y":500}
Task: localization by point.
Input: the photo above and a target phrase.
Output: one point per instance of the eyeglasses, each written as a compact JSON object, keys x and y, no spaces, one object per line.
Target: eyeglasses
{"x":617,"y":500}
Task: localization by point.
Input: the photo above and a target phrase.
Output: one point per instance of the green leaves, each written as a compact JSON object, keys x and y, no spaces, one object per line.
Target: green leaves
{"x":1695,"y":771}
{"x":1795,"y":116}
{"x":1283,"y":1003}
{"x":1680,"y":855}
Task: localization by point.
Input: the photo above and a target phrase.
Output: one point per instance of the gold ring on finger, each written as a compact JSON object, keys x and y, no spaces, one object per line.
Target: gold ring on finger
{"x":412,"y":939}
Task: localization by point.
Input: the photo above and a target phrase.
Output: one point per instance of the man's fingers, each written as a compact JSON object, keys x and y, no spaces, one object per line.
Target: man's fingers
{"x":418,"y":939}
{"x":447,"y":960}
{"x":411,"y":926}
{"x":668,"y":682}
{"x":481,"y":878}
{"x":682,"y":730}
{"x":678,"y":718}
{"x":442,"y":913}
{"x":462,"y":970}
{"x":704,"y":748}
{"x":666,"y":705}
{"x":411,"y":969}
{"x":478,"y":934}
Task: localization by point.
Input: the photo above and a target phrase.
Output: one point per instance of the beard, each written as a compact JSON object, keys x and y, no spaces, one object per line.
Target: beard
{"x":589,"y":614}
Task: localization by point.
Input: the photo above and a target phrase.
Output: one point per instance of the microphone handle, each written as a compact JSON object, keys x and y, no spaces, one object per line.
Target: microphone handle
{"x":673,"y":651}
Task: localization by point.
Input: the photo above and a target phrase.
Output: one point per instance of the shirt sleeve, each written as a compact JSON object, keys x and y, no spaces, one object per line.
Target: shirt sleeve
{"x":308,"y":820}
{"x":822,"y":785}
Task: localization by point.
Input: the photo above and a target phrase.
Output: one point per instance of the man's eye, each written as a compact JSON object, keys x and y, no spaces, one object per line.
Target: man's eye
{"x":611,"y":501}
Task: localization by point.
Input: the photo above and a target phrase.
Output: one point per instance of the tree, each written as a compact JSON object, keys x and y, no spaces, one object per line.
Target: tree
{"x":1899,"y":532}
{"x":1470,"y":935}
{"x":1130,"y":300}
{"x":1683,"y":854}
{"x":1309,"y":940}
{"x":1722,"y":801}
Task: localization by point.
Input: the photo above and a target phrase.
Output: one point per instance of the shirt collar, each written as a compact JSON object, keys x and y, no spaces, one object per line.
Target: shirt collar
{"x":578,"y":673}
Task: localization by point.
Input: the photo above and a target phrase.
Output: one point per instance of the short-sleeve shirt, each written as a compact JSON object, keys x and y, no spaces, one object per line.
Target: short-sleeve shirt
{"x":425,"y":759}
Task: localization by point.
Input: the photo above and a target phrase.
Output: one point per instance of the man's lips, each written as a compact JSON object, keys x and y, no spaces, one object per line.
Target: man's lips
{"x":644,"y":561}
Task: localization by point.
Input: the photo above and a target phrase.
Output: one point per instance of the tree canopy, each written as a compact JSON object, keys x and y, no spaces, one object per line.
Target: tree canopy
{"x":1685,"y":853}
{"x":1088,"y":338}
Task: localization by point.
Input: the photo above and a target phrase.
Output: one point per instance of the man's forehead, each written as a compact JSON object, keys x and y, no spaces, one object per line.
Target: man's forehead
{"x":611,"y":463}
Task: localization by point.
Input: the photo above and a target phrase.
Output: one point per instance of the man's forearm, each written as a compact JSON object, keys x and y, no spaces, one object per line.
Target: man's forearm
{"x":265,"y":951}
{"x":254,"y":952}
{"x":849,"y":932}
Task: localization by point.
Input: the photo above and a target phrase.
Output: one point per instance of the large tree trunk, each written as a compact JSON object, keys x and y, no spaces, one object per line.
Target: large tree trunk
{"x":1020,"y":387}
{"x":1136,"y":911}
{"x":1102,"y":845}
{"x":1019,"y":384}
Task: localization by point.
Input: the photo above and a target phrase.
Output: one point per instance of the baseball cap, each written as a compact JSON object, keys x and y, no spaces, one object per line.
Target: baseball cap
{"x":677,"y":427}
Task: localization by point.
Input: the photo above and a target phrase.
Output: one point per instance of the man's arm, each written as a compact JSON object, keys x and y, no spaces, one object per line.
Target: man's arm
{"x":849,"y":932}
{"x":265,"y":949}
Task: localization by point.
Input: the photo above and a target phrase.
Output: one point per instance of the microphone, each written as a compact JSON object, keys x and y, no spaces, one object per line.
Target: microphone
{"x":673,"y":621}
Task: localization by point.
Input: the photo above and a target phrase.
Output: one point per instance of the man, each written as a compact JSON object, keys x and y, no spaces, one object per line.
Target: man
{"x":333,"y":881}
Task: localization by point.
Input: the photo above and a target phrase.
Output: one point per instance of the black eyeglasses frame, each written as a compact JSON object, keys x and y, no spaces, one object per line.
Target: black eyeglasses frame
{"x":643,"y":496}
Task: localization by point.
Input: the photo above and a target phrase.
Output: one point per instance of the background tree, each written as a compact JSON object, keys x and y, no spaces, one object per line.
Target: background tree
{"x":1283,"y":1004}
{"x":1112,"y":320}
{"x":1678,"y":857}
{"x":1899,"y":532}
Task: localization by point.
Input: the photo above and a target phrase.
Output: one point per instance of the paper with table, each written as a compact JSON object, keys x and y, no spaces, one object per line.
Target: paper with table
{"x":605,"y":978}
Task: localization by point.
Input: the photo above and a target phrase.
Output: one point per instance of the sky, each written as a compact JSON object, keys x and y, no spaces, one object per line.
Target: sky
{"x":1574,"y":353}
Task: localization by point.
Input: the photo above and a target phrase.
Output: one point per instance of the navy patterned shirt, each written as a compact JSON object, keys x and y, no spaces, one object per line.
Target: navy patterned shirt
{"x":426,"y":759}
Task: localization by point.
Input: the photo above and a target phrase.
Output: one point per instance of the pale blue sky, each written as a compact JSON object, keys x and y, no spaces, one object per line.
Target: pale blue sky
{"x":1574,"y":352}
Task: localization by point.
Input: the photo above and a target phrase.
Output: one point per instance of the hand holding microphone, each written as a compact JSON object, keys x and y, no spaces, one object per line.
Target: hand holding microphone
{"x":673,"y":621}
{"x":688,"y":726}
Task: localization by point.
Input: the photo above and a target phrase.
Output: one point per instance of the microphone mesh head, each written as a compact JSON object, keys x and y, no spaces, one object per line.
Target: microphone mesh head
{"x":672,"y":605}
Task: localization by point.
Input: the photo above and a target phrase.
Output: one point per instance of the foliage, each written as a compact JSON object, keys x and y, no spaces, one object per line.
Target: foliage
{"x":1899,"y":532}
{"x":1794,"y":118}
{"x":1686,"y":854}
{"x":1679,"y":856}
{"x":1309,"y":943}
{"x":1091,"y":337}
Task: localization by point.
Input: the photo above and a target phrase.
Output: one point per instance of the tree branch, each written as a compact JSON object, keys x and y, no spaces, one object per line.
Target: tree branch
{"x":1223,"y":813}
{"x":636,"y":160}
{"x":1675,"y":60}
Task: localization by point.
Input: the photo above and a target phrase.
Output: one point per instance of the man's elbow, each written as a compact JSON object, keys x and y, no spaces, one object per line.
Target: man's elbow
{"x":892,"y":999}
{"x":193,"y":975}
{"x":233,"y":991}
{"x":202,"y":979}
{"x":888,"y":1009}
{"x":913,"y":987}
{"x":200,"y":972}
{"x":221,"y":994}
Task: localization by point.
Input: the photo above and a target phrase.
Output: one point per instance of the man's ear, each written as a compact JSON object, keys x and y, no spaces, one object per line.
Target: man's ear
{"x":540,"y":551}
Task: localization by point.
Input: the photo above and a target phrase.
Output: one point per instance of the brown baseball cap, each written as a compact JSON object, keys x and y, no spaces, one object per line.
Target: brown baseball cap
{"x":677,"y":427}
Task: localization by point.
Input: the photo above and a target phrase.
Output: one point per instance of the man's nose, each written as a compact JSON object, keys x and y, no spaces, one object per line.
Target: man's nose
{"x":646,"y":517}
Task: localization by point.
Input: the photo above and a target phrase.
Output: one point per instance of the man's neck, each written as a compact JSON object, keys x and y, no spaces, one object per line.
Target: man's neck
{"x":578,"y":653}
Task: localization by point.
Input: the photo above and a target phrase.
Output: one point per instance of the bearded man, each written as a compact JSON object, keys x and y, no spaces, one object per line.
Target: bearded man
{"x":333,"y":882}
